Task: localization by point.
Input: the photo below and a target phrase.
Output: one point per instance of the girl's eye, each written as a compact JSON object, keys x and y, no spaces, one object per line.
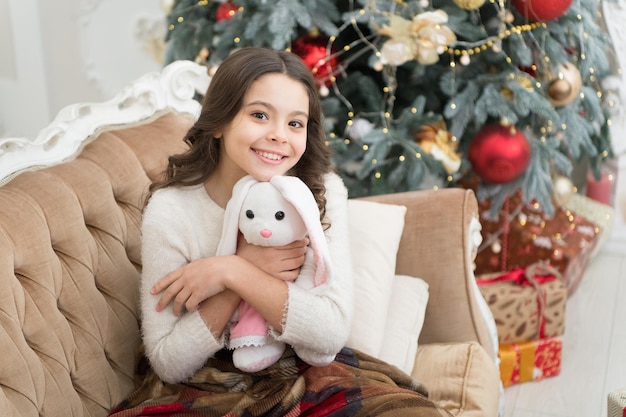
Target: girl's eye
{"x":259,"y":115}
{"x":296,"y":123}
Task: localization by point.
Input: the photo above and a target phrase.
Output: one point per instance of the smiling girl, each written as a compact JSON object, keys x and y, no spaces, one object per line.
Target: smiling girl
{"x":261,"y":116}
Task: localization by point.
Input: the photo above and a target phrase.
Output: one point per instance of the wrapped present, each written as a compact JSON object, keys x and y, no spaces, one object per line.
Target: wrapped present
{"x":526,"y":303}
{"x":601,"y":214}
{"x":522,"y":234}
{"x":616,"y":406}
{"x":530,"y":361}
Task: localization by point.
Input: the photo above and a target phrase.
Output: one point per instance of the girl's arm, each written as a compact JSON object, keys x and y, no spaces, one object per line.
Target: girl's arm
{"x":173,"y":234}
{"x":195,"y":286}
{"x":255,"y":273}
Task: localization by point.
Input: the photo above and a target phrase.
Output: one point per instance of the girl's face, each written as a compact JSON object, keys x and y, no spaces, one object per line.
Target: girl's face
{"x":268,"y":135}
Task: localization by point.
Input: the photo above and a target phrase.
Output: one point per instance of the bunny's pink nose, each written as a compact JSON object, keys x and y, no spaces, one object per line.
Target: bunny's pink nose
{"x":266,"y":233}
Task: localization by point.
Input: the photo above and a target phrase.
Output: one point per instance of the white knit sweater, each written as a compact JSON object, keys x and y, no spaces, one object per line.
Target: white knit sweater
{"x":183,"y":224}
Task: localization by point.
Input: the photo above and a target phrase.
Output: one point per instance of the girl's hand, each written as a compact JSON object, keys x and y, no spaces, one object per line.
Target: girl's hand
{"x":282,"y":262}
{"x":188,"y":286}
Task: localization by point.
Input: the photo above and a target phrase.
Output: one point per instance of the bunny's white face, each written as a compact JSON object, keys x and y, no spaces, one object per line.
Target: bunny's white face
{"x":267,"y":219}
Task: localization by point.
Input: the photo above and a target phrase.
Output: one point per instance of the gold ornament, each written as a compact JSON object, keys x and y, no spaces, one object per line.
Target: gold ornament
{"x":566,"y":87}
{"x":522,"y":80}
{"x":423,"y":38}
{"x":435,"y":140}
{"x":525,"y":82}
{"x":167,"y":5}
{"x":563,"y":189}
{"x":202,"y":56}
{"x":469,"y":4}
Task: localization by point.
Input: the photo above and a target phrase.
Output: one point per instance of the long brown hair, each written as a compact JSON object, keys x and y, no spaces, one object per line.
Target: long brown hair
{"x":221,"y":104}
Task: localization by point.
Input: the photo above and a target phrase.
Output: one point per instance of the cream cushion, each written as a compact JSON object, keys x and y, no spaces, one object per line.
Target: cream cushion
{"x":375,"y":231}
{"x":460,"y":377}
{"x":405,"y":319}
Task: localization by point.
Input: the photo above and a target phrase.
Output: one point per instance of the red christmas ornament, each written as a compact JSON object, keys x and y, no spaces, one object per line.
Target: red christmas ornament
{"x":312,"y":50}
{"x":499,"y":154}
{"x":226,"y":10}
{"x":542,"y":10}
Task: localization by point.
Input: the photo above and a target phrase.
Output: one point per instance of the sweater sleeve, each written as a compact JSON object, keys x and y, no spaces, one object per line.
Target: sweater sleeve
{"x":175,"y":346}
{"x":319,"y":322}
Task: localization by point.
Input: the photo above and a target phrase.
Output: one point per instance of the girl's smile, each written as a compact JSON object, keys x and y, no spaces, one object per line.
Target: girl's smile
{"x":269,"y":156}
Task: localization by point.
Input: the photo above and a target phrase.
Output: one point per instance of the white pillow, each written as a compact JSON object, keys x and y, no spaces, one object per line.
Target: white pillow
{"x":375,"y":232}
{"x":405,"y":319}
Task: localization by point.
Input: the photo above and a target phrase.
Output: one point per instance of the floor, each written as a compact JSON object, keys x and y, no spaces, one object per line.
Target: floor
{"x":594,"y":346}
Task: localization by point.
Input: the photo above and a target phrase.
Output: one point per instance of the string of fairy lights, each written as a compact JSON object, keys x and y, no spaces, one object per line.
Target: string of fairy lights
{"x":463,"y":52}
{"x":460,"y":52}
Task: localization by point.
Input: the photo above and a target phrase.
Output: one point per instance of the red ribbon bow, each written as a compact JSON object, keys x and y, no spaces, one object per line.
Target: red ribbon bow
{"x":518,"y":276}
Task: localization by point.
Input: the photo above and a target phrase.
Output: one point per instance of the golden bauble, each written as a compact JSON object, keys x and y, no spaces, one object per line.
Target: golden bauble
{"x":563,"y":189}
{"x":566,"y":86}
{"x":469,"y":4}
{"x":559,"y":90}
{"x":167,"y":5}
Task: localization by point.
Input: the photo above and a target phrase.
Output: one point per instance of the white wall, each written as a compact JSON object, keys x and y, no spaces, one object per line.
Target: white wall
{"x":59,"y":52}
{"x":23,"y":93}
{"x":615,"y":16}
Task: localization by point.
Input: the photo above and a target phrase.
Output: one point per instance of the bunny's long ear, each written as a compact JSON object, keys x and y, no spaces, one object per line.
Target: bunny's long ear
{"x":300,"y":196}
{"x":230,"y":228}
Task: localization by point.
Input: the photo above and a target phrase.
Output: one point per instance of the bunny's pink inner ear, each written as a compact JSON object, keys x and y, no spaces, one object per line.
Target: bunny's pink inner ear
{"x":320,"y":273}
{"x":321,"y":267}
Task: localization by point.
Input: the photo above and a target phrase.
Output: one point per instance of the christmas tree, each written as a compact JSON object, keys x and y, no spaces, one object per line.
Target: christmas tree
{"x":505,"y":95}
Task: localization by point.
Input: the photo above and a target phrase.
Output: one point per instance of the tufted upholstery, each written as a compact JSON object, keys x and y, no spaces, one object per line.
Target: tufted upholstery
{"x":69,"y":271}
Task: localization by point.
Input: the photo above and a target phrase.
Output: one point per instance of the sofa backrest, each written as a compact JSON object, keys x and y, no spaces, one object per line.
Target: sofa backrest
{"x":70,"y":257}
{"x":69,"y":269}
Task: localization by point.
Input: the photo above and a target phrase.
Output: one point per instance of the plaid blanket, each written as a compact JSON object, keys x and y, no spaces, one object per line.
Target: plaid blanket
{"x":355,"y":384}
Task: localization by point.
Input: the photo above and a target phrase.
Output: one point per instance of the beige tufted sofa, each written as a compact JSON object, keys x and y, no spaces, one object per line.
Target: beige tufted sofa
{"x":70,"y":213}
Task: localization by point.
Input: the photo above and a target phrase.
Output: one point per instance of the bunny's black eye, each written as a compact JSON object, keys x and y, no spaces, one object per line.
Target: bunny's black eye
{"x":279,"y":215}
{"x":250,"y":214}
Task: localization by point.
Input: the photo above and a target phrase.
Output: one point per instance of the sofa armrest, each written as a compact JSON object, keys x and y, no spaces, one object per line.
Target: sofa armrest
{"x":436,"y":245}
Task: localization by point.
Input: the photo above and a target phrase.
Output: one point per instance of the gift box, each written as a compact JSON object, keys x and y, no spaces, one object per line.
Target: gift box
{"x":600,"y":214}
{"x":617,"y":403}
{"x":530,"y":361}
{"x":520,"y":234}
{"x":526,"y":303}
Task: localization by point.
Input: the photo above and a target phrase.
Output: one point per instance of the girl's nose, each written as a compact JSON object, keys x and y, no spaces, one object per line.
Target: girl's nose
{"x":278,"y":139}
{"x":278,"y":134}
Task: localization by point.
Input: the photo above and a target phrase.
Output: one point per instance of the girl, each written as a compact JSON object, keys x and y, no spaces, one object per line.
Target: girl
{"x":260,"y":116}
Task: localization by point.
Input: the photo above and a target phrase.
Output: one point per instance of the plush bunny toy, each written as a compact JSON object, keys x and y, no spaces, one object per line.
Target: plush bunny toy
{"x":273,"y":213}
